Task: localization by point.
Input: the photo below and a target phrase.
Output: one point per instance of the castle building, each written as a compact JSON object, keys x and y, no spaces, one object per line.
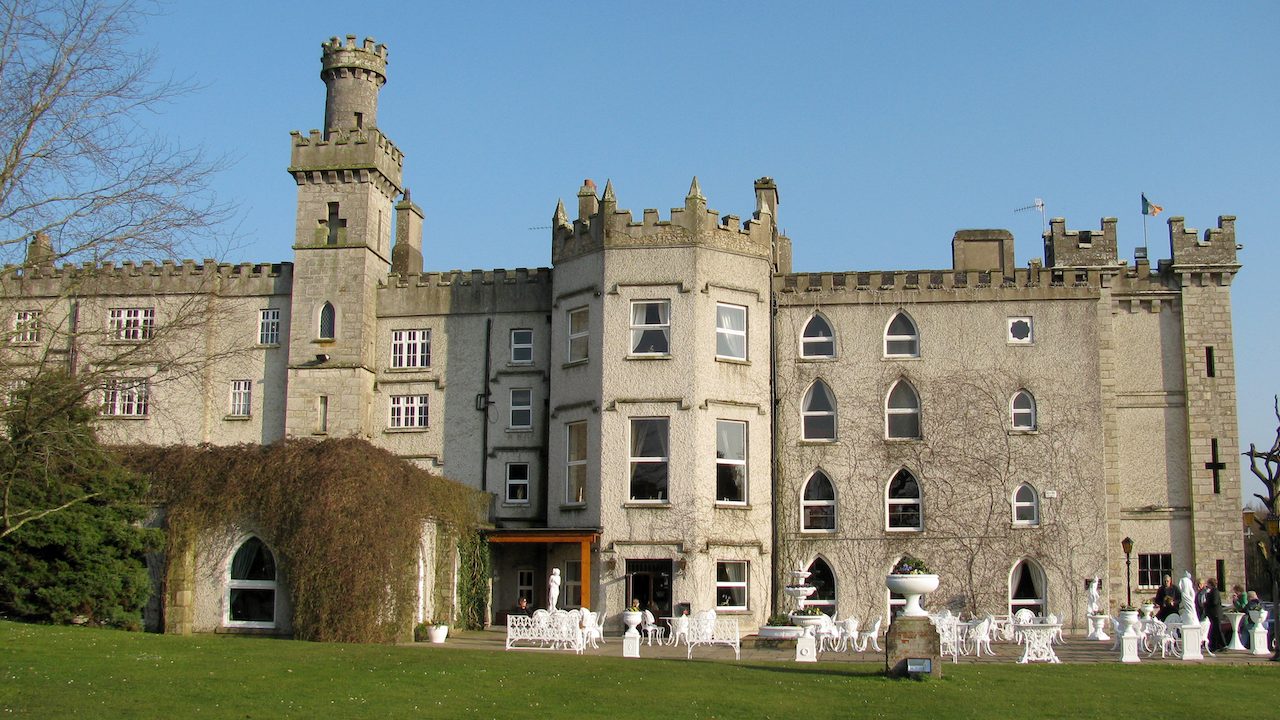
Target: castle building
{"x":670,"y":413}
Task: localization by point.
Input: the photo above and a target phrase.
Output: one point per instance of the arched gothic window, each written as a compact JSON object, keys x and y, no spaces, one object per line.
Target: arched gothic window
{"x":1027,"y":588}
{"x":1026,"y":505}
{"x":818,"y":340}
{"x":821,"y":577}
{"x":904,"y":503}
{"x":251,"y":586}
{"x":902,"y":412}
{"x":818,"y":503}
{"x":901,"y":338}
{"x":819,"y":413}
{"x":1022,"y":412}
{"x":328,"y":321}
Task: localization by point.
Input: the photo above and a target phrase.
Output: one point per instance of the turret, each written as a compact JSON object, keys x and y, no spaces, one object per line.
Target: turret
{"x":406,"y":255}
{"x":352,"y":75}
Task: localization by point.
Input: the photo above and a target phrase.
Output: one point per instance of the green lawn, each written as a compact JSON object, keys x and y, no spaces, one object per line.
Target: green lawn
{"x":54,"y":672}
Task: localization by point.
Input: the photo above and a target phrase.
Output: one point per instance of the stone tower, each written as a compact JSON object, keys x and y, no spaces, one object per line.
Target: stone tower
{"x":348,"y":177}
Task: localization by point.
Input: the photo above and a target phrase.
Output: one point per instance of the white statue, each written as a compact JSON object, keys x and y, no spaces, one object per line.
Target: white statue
{"x":553,"y":589}
{"x":1092,"y":607}
{"x":1187,"y":587}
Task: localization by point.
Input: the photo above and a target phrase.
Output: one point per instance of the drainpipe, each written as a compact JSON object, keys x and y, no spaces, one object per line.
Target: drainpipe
{"x":483,"y":401}
{"x":773,"y":445}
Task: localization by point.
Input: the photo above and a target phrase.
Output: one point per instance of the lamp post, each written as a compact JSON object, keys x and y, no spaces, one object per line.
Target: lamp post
{"x":1127,"y":545}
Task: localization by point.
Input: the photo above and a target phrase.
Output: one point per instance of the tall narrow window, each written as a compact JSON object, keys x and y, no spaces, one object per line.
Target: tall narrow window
{"x":1026,"y":588}
{"x":241,"y":398}
{"x":1210,"y":367}
{"x":521,"y":346}
{"x":1026,"y":506}
{"x":269,"y":326}
{"x":818,"y":504}
{"x":818,"y":340}
{"x":322,"y":414}
{"x":576,"y":463}
{"x":131,"y":324}
{"x":902,"y":412}
{"x":26,"y":327}
{"x":328,"y":321}
{"x":521,"y":409}
{"x":818,"y":414}
{"x":524,"y":585}
{"x":824,"y":582}
{"x":903,"y":502}
{"x":731,"y":584}
{"x":579,"y":334}
{"x":409,"y":411}
{"x":334,"y":223}
{"x":411,"y":348}
{"x":901,"y":338}
{"x":651,"y":327}
{"x":649,"y":459}
{"x":731,"y":461}
{"x":1023,"y":411}
{"x":251,"y":586}
{"x":518,"y":483}
{"x":572,"y":585}
{"x":731,"y":332}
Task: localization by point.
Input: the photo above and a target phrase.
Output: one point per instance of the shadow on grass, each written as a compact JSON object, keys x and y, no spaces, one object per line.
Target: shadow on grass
{"x":846,"y":670}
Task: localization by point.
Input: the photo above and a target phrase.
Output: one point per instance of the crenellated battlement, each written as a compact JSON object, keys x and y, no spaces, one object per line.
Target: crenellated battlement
{"x":1218,"y":247}
{"x":338,"y":138}
{"x":346,"y":156}
{"x":499,"y":290}
{"x":601,"y":224}
{"x":151,"y":277}
{"x":1073,"y":248}
{"x":336,"y":54}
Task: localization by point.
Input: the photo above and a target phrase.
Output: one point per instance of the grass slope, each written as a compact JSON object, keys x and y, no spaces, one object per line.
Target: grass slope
{"x":55,"y":672}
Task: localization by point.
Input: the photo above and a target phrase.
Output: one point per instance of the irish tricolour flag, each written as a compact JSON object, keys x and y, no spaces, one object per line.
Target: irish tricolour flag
{"x":1150,"y":208}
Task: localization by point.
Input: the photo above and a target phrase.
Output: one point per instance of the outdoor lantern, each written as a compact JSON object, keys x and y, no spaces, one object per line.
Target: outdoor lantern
{"x":1127,"y":545}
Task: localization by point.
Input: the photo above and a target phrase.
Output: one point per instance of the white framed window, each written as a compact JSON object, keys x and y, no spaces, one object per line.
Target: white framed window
{"x":572,"y":584}
{"x":409,"y":411}
{"x":579,"y":334}
{"x":1022,"y":411}
{"x":902,"y":412}
{"x":521,"y":409}
{"x":269,"y":326}
{"x":823,"y":581}
{"x":524,"y":585}
{"x":818,"y":413}
{"x":521,"y":346}
{"x":731,"y":584}
{"x":901,"y":337}
{"x":731,"y":461}
{"x":251,"y":586}
{"x":126,"y":397}
{"x":411,"y":348}
{"x":649,"y":459}
{"x":26,"y":327}
{"x":817,"y":340}
{"x":1021,"y":330}
{"x":1027,"y":588}
{"x":131,"y":324}
{"x":575,"y":471}
{"x":241,"y":398}
{"x":322,"y":414}
{"x":904,"y":506}
{"x":1026,"y":505}
{"x":650,"y":327}
{"x":818,"y":504}
{"x":731,"y":331}
{"x":328,"y":321}
{"x":518,"y":483}
{"x":1152,"y":567}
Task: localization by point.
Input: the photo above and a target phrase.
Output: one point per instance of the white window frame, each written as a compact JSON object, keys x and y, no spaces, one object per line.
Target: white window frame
{"x":1164,"y":568}
{"x":805,"y":504}
{"x":1037,"y":572}
{"x":26,"y":327}
{"x":892,"y":502}
{"x":572,"y":585}
{"x":134,"y":324}
{"x":728,"y":333}
{"x":730,"y":585}
{"x":409,"y":412}
{"x":575,"y":467}
{"x":241,"y":397}
{"x":634,"y":460}
{"x":521,"y":406}
{"x":269,"y":326}
{"x":913,"y":338}
{"x":521,"y":347}
{"x":1033,"y":503}
{"x":1022,"y":419}
{"x":244,"y":584}
{"x":806,"y":340}
{"x":806,"y":413}
{"x":828,"y":604}
{"x":640,"y":327}
{"x":411,"y":348}
{"x":578,"y":345}
{"x":730,"y":464}
{"x":127,"y":398}
{"x":513,"y":481}
{"x":890,"y":412}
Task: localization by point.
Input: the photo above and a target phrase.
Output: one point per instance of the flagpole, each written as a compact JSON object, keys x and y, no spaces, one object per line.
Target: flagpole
{"x":1144,"y":220}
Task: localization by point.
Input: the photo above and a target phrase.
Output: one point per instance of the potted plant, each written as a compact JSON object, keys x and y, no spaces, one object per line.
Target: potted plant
{"x":420,"y":632}
{"x":438,"y":631}
{"x":632,"y":617}
{"x":911,"y":578}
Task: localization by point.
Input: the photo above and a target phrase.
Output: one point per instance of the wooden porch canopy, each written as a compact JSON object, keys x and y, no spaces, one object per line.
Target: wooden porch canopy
{"x":583,"y":538}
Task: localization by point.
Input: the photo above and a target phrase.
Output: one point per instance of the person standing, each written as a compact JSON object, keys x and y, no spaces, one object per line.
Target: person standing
{"x":1213,"y":611}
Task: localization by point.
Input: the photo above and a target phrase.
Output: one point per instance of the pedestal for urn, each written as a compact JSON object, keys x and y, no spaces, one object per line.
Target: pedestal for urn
{"x":1129,"y":644}
{"x":1258,"y":638}
{"x":1192,"y":635}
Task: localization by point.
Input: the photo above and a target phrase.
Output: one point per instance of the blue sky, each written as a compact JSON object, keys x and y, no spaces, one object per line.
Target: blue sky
{"x":887,"y":126}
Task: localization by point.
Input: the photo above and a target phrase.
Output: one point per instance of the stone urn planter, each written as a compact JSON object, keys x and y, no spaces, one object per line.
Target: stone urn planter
{"x":632,"y":619}
{"x":437,"y":633}
{"x":912,"y":587}
{"x":1128,"y":619}
{"x":1148,"y":610}
{"x":1258,"y":616}
{"x":808,"y":623}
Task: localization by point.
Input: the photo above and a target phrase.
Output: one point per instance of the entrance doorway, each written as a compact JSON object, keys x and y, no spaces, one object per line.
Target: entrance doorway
{"x":649,"y":581}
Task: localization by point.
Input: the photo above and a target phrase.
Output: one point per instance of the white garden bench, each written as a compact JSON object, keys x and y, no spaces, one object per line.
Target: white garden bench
{"x":558,"y":630}
{"x":706,"y":629}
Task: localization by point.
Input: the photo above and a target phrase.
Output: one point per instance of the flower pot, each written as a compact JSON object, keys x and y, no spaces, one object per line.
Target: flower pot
{"x":1258,"y":616}
{"x":1148,"y":610}
{"x":632,"y":618}
{"x":912,"y":587}
{"x":437,"y":633}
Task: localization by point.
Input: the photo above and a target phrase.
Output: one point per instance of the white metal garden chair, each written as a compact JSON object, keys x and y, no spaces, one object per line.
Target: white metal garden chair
{"x":652,"y":629}
{"x":870,"y":635}
{"x":980,"y":636}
